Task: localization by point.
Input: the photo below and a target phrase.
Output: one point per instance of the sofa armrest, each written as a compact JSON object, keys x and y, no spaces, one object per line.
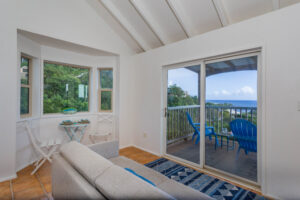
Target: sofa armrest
{"x":106,"y":149}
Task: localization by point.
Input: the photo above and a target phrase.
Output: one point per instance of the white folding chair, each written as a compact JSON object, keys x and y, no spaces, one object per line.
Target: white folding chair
{"x":104,"y":128}
{"x":44,"y":148}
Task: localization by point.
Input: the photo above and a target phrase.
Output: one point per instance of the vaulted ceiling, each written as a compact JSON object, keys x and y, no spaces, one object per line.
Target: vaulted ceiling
{"x":148,"y":24}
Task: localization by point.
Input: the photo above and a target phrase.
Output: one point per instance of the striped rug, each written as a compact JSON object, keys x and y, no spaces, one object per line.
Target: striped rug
{"x":211,"y":186}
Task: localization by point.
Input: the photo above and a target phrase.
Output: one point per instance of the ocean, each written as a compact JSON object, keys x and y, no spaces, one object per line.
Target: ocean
{"x":238,"y":103}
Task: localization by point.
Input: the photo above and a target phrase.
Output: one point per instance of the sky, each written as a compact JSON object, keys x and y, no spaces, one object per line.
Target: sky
{"x":240,"y":85}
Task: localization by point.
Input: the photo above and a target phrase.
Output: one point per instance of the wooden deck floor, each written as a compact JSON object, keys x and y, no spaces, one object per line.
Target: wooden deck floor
{"x":245,"y":166}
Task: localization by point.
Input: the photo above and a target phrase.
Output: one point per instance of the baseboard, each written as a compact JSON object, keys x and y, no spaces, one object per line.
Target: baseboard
{"x":126,"y":146}
{"x":136,"y":146}
{"x":8,"y":178}
{"x":26,"y":165}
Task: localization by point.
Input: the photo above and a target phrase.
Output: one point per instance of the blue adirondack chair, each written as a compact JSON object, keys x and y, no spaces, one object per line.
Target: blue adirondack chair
{"x":246,"y":134}
{"x":209,"y":131}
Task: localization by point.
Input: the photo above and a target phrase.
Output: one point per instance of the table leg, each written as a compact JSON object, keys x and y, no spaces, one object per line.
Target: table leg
{"x":221,"y":141}
{"x":68,"y":133}
{"x":227,"y":143}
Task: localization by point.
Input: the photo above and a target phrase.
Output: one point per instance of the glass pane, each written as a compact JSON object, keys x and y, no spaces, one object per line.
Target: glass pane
{"x":24,"y":71}
{"x":106,"y":79}
{"x":231,"y":99}
{"x":24,"y":100}
{"x":183,"y":113}
{"x":106,"y":100}
{"x":65,"y":87}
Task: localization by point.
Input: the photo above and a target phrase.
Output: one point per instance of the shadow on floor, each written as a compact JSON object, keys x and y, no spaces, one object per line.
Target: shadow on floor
{"x":245,"y":166}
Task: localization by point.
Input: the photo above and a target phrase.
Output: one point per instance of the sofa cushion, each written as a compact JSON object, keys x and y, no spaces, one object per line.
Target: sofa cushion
{"x":117,"y":183}
{"x":139,"y":176}
{"x":68,"y":183}
{"x":180,"y":191}
{"x":142,"y":170}
{"x":88,"y":163}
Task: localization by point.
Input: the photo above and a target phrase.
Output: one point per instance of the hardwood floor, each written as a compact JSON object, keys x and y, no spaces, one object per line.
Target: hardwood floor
{"x":38,"y":186}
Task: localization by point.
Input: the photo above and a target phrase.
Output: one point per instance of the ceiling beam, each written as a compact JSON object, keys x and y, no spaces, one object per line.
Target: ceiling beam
{"x":276,"y":4}
{"x":117,"y":15}
{"x":175,"y":10}
{"x":219,"y":7}
{"x":147,"y":20}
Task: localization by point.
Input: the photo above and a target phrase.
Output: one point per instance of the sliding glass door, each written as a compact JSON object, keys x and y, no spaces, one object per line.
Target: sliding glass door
{"x":230,"y":117}
{"x":183,"y":113}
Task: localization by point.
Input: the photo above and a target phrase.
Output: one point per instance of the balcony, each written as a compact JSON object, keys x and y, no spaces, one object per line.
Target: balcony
{"x":180,"y":144}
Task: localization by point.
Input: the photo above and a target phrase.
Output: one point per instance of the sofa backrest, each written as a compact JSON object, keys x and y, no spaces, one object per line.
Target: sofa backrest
{"x":111,"y":180}
{"x":87,"y":162}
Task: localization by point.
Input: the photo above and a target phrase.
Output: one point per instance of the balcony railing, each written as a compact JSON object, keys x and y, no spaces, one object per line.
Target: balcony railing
{"x":219,"y":117}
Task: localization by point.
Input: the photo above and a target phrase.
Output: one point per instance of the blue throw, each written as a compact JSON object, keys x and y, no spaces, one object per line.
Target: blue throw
{"x":141,"y":177}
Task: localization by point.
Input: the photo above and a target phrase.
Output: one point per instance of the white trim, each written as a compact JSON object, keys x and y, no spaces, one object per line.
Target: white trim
{"x":125,"y":146}
{"x":149,"y":151}
{"x":202,"y":113}
{"x":141,"y":12}
{"x":223,"y":17}
{"x":257,"y":49}
{"x":8,"y":178}
{"x":26,"y":165}
{"x":175,"y":10}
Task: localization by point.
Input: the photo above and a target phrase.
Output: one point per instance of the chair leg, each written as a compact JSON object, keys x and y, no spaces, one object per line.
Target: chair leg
{"x":198,"y":139}
{"x":195,"y":133}
{"x":38,"y":166}
{"x":237,"y":154}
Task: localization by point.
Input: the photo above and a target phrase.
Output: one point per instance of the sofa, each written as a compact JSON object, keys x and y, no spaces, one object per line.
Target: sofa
{"x":98,"y":172}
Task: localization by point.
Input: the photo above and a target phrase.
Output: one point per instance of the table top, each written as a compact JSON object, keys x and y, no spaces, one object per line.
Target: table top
{"x":229,"y":134}
{"x":73,"y":125}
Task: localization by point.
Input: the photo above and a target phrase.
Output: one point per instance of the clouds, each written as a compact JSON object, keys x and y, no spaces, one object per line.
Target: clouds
{"x":245,"y":92}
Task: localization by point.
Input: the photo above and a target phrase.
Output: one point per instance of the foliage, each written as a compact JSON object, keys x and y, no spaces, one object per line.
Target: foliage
{"x":177,"y":122}
{"x":65,"y":87}
{"x":177,"y":97}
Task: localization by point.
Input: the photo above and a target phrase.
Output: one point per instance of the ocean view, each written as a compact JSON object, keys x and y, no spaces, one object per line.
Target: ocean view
{"x":238,"y":103}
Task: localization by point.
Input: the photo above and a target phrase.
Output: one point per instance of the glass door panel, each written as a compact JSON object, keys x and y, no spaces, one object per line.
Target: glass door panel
{"x":183,"y":113}
{"x":231,"y":116}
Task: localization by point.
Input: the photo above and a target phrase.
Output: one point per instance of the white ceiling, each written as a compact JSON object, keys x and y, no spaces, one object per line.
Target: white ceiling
{"x":148,"y":24}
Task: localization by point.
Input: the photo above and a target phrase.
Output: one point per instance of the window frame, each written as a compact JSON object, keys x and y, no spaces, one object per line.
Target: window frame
{"x":66,"y":65}
{"x":105,"y":90}
{"x":29,"y":86}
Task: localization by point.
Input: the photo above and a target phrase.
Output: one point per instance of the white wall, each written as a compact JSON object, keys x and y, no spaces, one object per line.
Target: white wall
{"x":70,"y":20}
{"x":279,"y":32}
{"x":8,"y":71}
{"x":46,"y":126}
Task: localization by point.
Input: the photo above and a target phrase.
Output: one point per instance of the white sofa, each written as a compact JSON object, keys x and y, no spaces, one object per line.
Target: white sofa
{"x":97,"y":172}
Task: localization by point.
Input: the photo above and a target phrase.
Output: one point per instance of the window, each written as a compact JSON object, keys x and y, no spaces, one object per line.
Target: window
{"x":65,"y":87}
{"x":25,"y":97}
{"x":106,"y":90}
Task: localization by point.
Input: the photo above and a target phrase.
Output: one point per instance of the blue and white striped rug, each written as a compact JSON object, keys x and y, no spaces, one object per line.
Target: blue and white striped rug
{"x":211,"y":186}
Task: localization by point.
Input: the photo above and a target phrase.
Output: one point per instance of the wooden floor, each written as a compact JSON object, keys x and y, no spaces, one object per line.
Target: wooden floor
{"x":38,"y":186}
{"x":244,"y":166}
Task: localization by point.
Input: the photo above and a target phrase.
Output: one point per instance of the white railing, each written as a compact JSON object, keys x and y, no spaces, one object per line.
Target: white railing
{"x":219,"y":117}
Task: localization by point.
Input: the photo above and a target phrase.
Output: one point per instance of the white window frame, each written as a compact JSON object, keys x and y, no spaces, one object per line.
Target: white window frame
{"x":105,"y":89}
{"x":257,"y":50}
{"x":29,"y":86}
{"x":68,"y":65}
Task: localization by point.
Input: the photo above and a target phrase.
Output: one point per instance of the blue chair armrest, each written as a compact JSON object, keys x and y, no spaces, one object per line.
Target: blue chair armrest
{"x":196,"y":124}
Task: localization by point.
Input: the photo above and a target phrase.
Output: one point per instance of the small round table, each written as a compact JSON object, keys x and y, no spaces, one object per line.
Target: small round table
{"x":228,"y":137}
{"x":73,"y":129}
